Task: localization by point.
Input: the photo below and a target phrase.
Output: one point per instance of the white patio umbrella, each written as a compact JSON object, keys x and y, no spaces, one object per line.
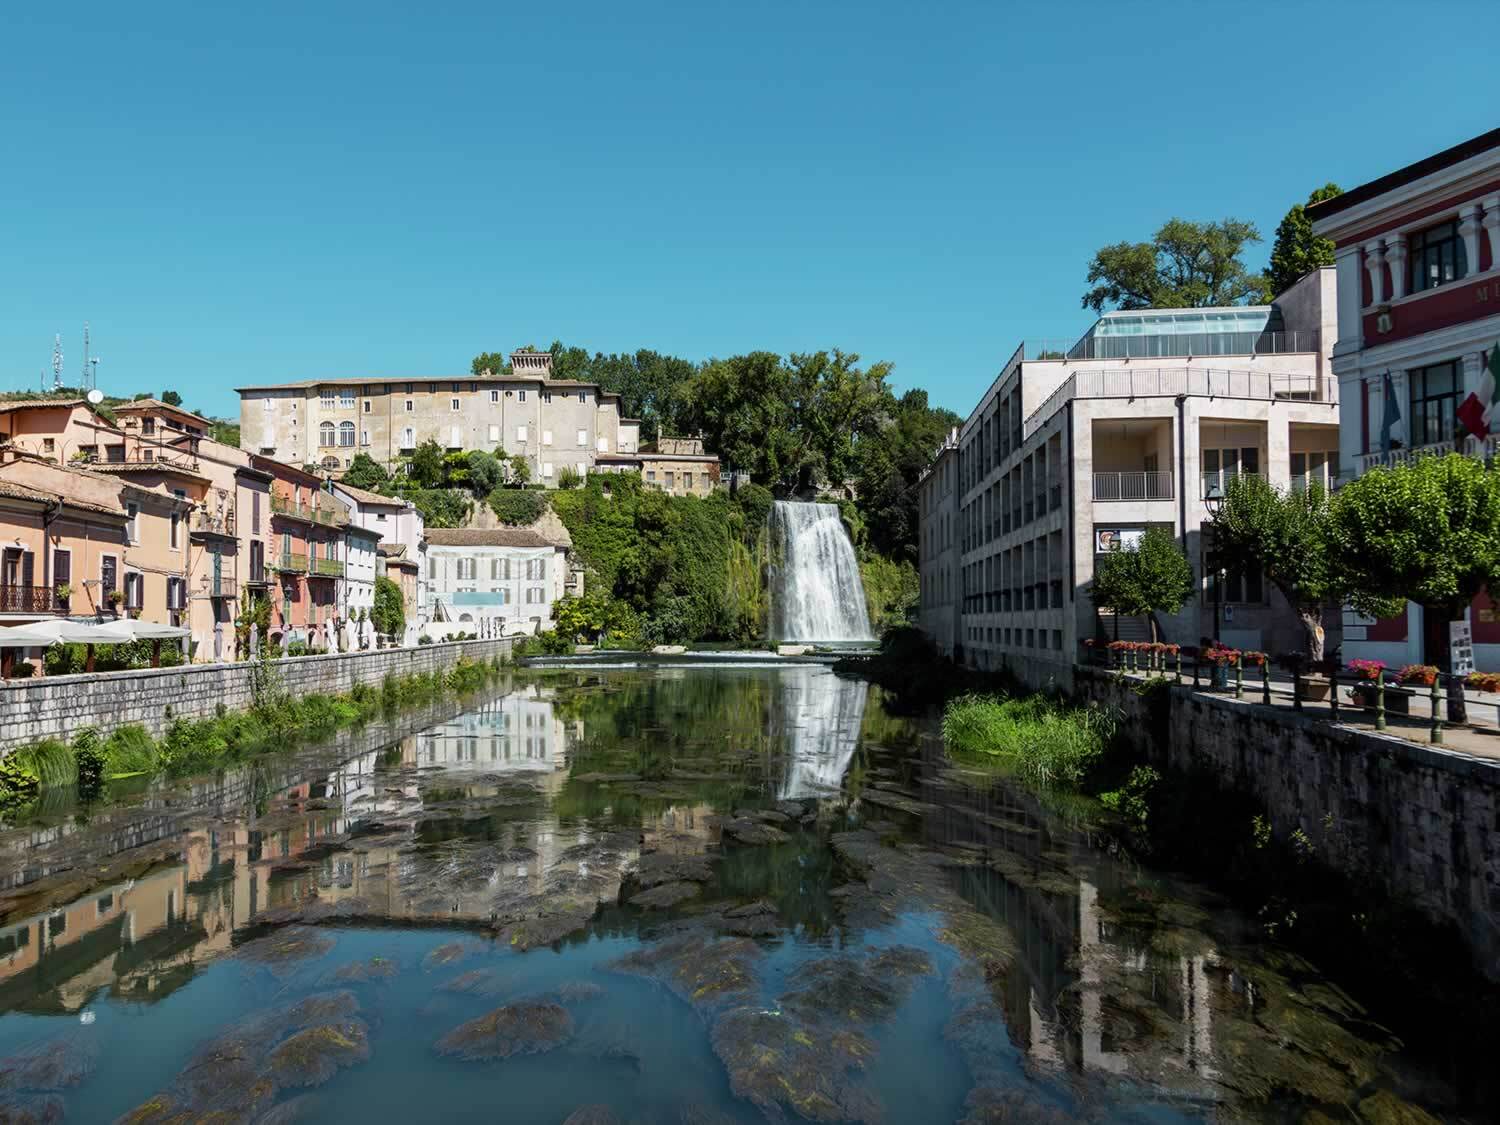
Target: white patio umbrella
{"x":151,"y":630}
{"x":64,"y":631}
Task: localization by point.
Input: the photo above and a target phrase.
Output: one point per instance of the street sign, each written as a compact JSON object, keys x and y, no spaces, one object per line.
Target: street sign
{"x":1460,"y":648}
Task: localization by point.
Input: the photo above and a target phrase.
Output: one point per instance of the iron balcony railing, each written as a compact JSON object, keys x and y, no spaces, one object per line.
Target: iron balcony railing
{"x":294,"y":561}
{"x":1169,"y":382}
{"x":313,"y":513}
{"x":1222,"y":478}
{"x":1135,"y":485}
{"x":31,"y":599}
{"x":328,"y":568}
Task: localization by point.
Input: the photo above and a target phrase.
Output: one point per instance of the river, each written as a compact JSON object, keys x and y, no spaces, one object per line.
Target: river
{"x":639,"y":893}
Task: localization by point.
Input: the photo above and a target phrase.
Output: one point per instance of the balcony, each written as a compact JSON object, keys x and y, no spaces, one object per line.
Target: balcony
{"x":1485,"y":450}
{"x":1135,"y":485}
{"x":1221,"y":478}
{"x":213,"y":523}
{"x":328,"y":568}
{"x":293,"y":561}
{"x":311,"y":513}
{"x":31,"y":599}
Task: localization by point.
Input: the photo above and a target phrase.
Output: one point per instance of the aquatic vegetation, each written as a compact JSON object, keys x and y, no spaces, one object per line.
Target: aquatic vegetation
{"x":128,"y":750}
{"x":449,"y":953}
{"x":1046,"y":743}
{"x":857,"y":989}
{"x":665,"y":896}
{"x":709,"y":974}
{"x":55,"y":1064}
{"x":313,"y":1056}
{"x":363,"y":972}
{"x":524,"y":1027}
{"x":776,"y":1063}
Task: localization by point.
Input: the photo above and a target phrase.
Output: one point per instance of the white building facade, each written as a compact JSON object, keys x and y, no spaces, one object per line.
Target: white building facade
{"x":490,"y":581}
{"x":1418,"y":260}
{"x":360,"y":569}
{"x":1079,"y":450}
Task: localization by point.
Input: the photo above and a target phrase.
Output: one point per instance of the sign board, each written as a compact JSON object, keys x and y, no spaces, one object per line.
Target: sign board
{"x":1460,"y":647}
{"x":1228,"y":613}
{"x":1117,"y":539}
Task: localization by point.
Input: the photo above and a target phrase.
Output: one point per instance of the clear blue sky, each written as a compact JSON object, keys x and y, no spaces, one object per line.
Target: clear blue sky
{"x":281,"y":191}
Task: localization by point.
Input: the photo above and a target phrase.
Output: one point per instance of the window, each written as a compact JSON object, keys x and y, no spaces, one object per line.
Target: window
{"x":327,"y":434}
{"x":454,"y":405}
{"x":108,"y":574}
{"x":687,"y":481}
{"x":467,"y":570}
{"x":408,"y":438}
{"x":523,"y":396}
{"x":265,"y":405}
{"x":367,"y":406}
{"x":364,"y":437}
{"x":176,"y":523}
{"x":547,"y":469}
{"x":671,"y":479}
{"x":546,"y":437}
{"x":1437,"y":257}
{"x":326,"y":396}
{"x":604,"y":445}
{"x":132,"y":523}
{"x":408,"y":389}
{"x":581,"y":469}
{"x":62,"y":572}
{"x":1220,"y":466}
{"x":1313,"y":468}
{"x":494,"y":435}
{"x":148,"y":425}
{"x":410,"y":406}
{"x":455,"y":437}
{"x":49,"y":445}
{"x":583,"y":439}
{"x":346,"y":434}
{"x":457,"y":387}
{"x":1434,"y":402}
{"x":583,"y":396}
{"x":432,"y":567}
{"x":176,"y":593}
{"x":520,"y":433}
{"x":651,"y":475}
{"x":473,"y":387}
{"x":346,"y":398}
{"x":494,"y":396}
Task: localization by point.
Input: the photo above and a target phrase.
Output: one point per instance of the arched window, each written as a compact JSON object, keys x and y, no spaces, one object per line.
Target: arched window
{"x":325,"y":434}
{"x":346,"y":433}
{"x":330,"y":462}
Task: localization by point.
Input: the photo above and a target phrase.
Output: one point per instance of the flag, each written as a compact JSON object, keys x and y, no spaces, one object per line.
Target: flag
{"x":1481,"y":410}
{"x":1390,"y":414}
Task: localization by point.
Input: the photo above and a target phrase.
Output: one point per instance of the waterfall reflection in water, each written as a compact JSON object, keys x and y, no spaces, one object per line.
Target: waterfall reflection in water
{"x":821,"y":716}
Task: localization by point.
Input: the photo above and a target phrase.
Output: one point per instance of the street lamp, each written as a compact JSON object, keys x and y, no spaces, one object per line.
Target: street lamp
{"x":1213,"y":500}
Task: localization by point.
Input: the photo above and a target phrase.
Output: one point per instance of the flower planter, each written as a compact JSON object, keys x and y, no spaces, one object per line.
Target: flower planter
{"x":1397,"y":699}
{"x":1315,"y":689}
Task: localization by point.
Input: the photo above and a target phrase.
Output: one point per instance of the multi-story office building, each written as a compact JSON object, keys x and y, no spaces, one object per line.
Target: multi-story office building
{"x":1078,"y":448}
{"x":1418,"y":260}
{"x":937,"y":522}
{"x":554,"y":424}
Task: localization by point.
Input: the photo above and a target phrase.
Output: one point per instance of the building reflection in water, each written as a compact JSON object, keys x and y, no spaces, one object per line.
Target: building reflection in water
{"x":820,"y":715}
{"x":143,"y":937}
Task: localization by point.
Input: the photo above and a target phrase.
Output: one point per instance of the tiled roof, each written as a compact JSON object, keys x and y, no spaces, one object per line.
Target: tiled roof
{"x":136,"y":405}
{"x":146,"y":467}
{"x":39,"y":403}
{"x":25,"y":492}
{"x":365,"y":496}
{"x":391,"y":550}
{"x":484,"y":537}
{"x":393,"y":381}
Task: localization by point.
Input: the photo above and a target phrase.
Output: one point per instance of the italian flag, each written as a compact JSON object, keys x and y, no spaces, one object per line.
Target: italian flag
{"x":1480,"y":412}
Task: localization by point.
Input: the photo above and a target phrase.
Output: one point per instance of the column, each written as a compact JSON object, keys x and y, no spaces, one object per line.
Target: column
{"x":1348,"y":289}
{"x":1468,"y":230}
{"x":1491,"y":224}
{"x":1374,"y":259}
{"x":1395,"y":256}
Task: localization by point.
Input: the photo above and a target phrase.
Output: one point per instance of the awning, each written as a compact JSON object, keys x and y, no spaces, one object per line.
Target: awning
{"x":64,"y":631}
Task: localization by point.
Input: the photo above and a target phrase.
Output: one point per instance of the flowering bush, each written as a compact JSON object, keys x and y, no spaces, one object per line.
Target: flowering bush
{"x":1424,"y":674}
{"x":1367,"y":669}
{"x":1483,"y":681}
{"x":1222,"y":655}
{"x":1122,"y":646}
{"x":1165,"y":648}
{"x":1252,"y":658}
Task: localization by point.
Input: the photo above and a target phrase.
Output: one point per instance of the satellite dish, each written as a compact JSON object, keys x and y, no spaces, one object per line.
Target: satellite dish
{"x":95,"y":396}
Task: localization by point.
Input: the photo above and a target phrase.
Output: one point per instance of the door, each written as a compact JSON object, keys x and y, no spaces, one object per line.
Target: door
{"x":1434,"y":638}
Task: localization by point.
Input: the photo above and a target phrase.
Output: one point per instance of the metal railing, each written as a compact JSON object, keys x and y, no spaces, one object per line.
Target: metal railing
{"x":1140,"y":485}
{"x":31,"y":599}
{"x":1222,"y":478}
{"x":1169,"y":382}
{"x":328,"y":568}
{"x":221,"y":523}
{"x":1186,"y":345}
{"x":314,"y":513}
{"x":293,"y":560}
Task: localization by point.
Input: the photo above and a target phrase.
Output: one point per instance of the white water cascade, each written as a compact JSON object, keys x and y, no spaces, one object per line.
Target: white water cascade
{"x":821,"y":714}
{"x":816,"y":590}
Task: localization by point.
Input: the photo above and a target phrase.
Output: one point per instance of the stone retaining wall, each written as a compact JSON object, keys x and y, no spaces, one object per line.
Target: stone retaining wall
{"x":58,"y":706}
{"x":1420,"y":821}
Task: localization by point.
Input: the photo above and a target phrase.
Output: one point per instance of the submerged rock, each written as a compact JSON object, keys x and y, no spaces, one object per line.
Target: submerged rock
{"x":448,"y":953}
{"x":857,"y":989}
{"x":665,"y":896}
{"x":282,"y":951}
{"x":30,"y":1109}
{"x":55,"y":1064}
{"x":543,"y":929}
{"x":577,"y":991}
{"x":654,"y":869}
{"x":753,"y":833}
{"x":476,"y":982}
{"x":365,"y":972}
{"x":708,"y":973}
{"x":525,"y":1027}
{"x":778,"y":1065}
{"x":313,"y":1056}
{"x":592,"y":1115}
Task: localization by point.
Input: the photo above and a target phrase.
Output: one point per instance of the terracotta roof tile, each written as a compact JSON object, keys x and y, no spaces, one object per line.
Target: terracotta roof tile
{"x":484,"y":537}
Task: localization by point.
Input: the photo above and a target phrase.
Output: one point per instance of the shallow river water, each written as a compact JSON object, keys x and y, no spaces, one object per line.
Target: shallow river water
{"x":675,"y":894}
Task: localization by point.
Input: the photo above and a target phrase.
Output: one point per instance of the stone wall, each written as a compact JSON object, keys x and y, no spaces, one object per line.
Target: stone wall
{"x":1421,"y":821}
{"x":58,"y":706}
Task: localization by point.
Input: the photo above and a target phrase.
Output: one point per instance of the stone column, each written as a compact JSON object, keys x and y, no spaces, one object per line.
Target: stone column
{"x":1374,"y":259}
{"x":1468,"y":230}
{"x":1491,"y":224}
{"x":1395,"y":256}
{"x":1348,"y":290}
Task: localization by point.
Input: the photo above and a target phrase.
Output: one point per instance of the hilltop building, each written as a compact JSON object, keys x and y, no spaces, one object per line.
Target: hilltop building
{"x":1078,"y":448}
{"x":1418,"y":261}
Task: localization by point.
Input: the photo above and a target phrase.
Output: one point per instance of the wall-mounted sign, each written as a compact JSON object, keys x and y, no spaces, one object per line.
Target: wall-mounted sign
{"x":1460,"y":647}
{"x":1117,"y":539}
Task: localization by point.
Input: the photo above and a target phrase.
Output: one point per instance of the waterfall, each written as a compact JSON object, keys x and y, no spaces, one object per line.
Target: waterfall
{"x":816,"y":590}
{"x":821,"y":715}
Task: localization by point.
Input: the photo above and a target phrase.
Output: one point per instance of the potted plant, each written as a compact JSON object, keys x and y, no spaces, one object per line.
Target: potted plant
{"x":1368,"y":674}
{"x":114,"y":598}
{"x":1483,"y":681}
{"x":1417,"y":675}
{"x":63,"y":591}
{"x":1223,"y":658}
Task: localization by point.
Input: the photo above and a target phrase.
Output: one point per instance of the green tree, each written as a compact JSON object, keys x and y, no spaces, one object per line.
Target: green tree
{"x":1427,"y":531}
{"x":496,"y":363}
{"x":1296,"y":250}
{"x":389,"y":609}
{"x":1285,"y":536}
{"x":485,"y":473}
{"x":425,"y":468}
{"x":517,"y":471}
{"x":890,"y":468}
{"x":365,"y":472}
{"x":226,"y":432}
{"x":1185,"y":265}
{"x":171,"y":398}
{"x":583,"y":619}
{"x":1153,"y":578}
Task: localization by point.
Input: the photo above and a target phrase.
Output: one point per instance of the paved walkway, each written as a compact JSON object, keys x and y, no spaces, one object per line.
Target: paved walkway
{"x":1479,"y":737}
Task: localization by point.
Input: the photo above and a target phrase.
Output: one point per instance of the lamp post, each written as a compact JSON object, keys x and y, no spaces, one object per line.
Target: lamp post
{"x":1213,"y":500}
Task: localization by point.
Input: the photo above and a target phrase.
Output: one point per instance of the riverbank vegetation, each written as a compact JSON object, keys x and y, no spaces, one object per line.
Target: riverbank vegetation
{"x":277,"y":720}
{"x":1046,"y":742}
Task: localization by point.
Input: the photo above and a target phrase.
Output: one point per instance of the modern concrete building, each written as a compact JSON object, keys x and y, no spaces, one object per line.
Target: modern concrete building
{"x":1418,"y":261}
{"x":554,"y":424}
{"x":489,"y":580}
{"x":1076,"y":449}
{"x":937,"y":523}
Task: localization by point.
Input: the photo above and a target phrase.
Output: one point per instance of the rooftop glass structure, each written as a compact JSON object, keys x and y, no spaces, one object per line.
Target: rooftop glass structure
{"x":1160,"y":333}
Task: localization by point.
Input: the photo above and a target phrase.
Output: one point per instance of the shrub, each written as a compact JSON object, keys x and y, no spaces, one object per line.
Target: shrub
{"x":22,"y":670}
{"x":569,"y":478}
{"x":519,"y":506}
{"x":129,"y":749}
{"x":88,"y":756}
{"x":1048,"y":744}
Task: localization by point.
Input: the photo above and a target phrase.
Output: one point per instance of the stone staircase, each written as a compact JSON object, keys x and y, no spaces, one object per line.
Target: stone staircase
{"x":1131,"y":628}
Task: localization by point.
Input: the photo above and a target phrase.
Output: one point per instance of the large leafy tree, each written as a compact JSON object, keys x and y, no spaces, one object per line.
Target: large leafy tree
{"x":1285,"y":536}
{"x":1296,"y":249}
{"x":1426,"y":531}
{"x":496,"y":363}
{"x":1153,"y":578}
{"x":365,"y":472}
{"x":1185,"y":265}
{"x":890,"y":466}
{"x":389,"y":610}
{"x":425,"y":468}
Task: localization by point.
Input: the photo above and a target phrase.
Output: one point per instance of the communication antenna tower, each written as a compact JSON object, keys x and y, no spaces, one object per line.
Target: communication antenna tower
{"x":57,"y":360}
{"x":87,"y":362}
